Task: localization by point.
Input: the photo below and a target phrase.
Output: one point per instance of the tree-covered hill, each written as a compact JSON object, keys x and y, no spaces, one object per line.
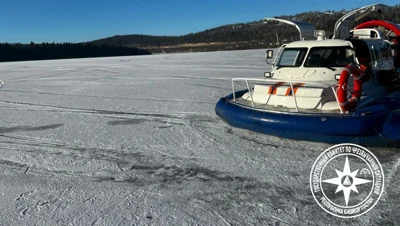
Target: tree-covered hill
{"x":254,"y":34}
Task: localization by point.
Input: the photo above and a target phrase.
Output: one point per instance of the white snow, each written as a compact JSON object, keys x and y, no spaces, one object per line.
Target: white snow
{"x":136,"y":141}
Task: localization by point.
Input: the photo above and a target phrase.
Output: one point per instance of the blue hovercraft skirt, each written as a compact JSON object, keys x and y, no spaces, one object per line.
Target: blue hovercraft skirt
{"x":375,"y":125}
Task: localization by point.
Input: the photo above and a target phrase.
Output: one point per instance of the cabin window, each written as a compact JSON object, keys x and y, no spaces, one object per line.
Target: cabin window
{"x":292,"y":57}
{"x":330,"y":57}
{"x":373,"y":57}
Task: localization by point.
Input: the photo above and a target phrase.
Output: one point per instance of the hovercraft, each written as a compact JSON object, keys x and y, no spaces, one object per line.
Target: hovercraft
{"x":340,"y":90}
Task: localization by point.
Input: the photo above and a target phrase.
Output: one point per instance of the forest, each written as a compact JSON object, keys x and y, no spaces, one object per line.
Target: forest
{"x":47,"y":51}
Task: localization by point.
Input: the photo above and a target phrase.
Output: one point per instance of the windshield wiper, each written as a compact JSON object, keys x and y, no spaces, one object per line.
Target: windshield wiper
{"x":333,"y":69}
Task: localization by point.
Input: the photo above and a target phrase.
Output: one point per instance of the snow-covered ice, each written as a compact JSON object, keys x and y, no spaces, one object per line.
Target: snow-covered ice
{"x":135,"y":141}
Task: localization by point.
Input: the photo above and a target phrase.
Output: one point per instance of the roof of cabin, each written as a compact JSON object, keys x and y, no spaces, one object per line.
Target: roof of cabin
{"x":318,"y":43}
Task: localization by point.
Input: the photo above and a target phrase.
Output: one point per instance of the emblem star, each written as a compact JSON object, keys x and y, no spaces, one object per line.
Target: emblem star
{"x":346,"y":181}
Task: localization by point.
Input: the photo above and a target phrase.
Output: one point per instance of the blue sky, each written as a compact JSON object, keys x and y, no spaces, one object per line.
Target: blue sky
{"x":85,"y":20}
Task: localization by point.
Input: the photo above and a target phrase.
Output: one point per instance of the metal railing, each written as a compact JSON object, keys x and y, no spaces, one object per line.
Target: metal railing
{"x":314,"y":85}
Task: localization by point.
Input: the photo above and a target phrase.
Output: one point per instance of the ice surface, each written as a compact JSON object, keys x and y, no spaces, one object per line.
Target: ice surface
{"x":135,"y":141}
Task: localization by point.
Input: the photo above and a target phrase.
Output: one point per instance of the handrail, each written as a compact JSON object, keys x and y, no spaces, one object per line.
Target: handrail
{"x":318,"y":85}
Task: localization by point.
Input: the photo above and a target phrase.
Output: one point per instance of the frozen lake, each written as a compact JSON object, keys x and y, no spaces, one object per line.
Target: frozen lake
{"x":135,"y":141}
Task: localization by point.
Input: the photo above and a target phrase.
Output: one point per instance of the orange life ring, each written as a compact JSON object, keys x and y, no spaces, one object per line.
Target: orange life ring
{"x":350,"y":69}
